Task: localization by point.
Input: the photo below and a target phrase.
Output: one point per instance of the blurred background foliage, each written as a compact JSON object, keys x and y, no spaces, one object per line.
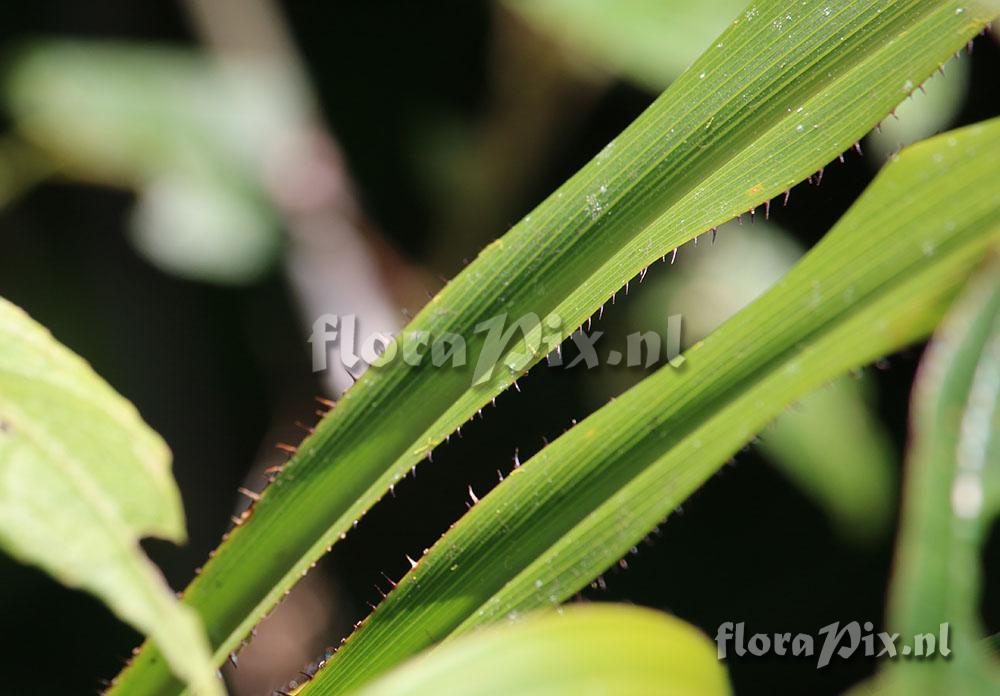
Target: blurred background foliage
{"x":186,"y":186}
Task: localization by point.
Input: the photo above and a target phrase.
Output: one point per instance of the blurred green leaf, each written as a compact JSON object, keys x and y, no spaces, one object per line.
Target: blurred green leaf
{"x":183,"y":132}
{"x":879,"y":280}
{"x":83,"y":478}
{"x":930,"y":109}
{"x":712,"y":280}
{"x":833,"y":446}
{"x":952,"y":497}
{"x":650,"y":42}
{"x":203,"y":230}
{"x":585,"y":650}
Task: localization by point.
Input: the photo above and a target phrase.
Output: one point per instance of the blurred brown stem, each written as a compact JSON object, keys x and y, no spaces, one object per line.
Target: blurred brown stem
{"x":336,"y":260}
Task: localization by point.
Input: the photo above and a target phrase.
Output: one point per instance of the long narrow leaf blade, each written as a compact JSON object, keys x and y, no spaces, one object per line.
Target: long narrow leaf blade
{"x":789,"y":86}
{"x":877,"y":282}
{"x":952,"y":496}
{"x":596,"y":649}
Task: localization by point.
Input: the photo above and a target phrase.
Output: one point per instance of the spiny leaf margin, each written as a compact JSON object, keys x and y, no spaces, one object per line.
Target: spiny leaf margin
{"x":785,"y":89}
{"x":878,"y":281}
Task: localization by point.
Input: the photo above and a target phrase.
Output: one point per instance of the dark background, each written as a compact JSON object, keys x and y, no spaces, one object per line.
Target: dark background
{"x":209,"y":367}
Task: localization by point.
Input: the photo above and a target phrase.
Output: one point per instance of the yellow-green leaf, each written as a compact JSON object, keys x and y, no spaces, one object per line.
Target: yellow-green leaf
{"x":579,"y":651}
{"x":82,"y":479}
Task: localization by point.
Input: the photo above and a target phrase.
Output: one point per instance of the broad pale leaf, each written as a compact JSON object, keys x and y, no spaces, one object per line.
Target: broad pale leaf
{"x":82,"y":479}
{"x":585,"y":650}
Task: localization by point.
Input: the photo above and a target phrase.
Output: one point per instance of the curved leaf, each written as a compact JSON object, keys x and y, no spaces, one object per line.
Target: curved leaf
{"x":177,"y":128}
{"x":595,"y":649}
{"x":82,"y":478}
{"x":789,"y":86}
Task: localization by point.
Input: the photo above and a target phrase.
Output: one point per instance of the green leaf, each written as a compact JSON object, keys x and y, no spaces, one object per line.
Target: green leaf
{"x":177,"y":128}
{"x":952,"y":497}
{"x":783,"y":91}
{"x":878,"y":281}
{"x":650,"y":42}
{"x":83,"y":478}
{"x":928,"y":110}
{"x":201,"y":228}
{"x":595,"y":649}
{"x":831,"y":444}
